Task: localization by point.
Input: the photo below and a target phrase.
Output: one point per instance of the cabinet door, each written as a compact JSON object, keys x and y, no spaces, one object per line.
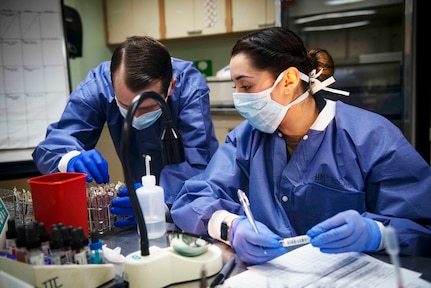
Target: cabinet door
{"x":127,"y":18}
{"x":185,"y":18}
{"x":146,"y":18}
{"x":252,"y":15}
{"x":224,"y":123}
{"x":119,"y":22}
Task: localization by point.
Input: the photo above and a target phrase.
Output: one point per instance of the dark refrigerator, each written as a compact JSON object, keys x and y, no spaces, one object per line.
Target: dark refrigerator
{"x":371,"y":43}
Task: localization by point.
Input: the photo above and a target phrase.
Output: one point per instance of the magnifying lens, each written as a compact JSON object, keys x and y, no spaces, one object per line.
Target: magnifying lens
{"x":187,"y":244}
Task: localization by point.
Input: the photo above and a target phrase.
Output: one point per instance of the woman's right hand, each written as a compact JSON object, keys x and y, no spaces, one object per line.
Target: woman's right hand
{"x":252,"y":247}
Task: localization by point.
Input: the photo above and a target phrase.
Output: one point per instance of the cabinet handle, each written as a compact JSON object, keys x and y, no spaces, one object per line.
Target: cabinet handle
{"x":266,"y":24}
{"x":194,"y":31}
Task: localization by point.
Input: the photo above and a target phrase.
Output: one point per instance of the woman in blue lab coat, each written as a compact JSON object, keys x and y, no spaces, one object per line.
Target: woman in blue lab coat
{"x":308,"y":165}
{"x":139,"y":64}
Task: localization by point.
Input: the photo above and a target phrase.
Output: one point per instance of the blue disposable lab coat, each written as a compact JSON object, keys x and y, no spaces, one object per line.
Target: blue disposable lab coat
{"x":349,"y":159}
{"x":92,"y":104}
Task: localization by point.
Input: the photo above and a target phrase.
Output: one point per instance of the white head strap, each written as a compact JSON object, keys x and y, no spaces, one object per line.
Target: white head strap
{"x":316,"y":85}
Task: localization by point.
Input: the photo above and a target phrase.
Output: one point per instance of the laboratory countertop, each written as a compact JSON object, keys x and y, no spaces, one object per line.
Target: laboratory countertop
{"x":128,"y":240}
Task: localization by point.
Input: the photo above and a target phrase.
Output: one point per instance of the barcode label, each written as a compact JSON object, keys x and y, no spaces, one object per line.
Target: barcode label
{"x":298,"y":240}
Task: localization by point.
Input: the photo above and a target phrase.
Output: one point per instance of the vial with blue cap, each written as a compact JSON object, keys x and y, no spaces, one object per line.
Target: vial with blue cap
{"x":152,"y":200}
{"x":96,"y":251}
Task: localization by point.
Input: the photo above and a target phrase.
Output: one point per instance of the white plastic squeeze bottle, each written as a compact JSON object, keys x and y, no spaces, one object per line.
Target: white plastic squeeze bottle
{"x":152,"y":200}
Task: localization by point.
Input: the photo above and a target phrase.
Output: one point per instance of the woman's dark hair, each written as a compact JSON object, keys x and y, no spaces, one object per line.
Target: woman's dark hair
{"x":145,"y":60}
{"x":322,"y":60}
{"x":275,"y":49}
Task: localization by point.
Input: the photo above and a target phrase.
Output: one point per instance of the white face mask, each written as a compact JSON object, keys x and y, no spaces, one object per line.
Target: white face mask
{"x":146,"y":119}
{"x":143,"y":121}
{"x":261,"y":111}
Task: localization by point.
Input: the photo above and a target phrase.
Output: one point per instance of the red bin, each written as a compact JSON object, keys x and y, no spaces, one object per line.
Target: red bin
{"x":60,"y":198}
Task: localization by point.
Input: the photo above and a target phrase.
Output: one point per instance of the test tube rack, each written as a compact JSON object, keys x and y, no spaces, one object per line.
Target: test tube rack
{"x":59,"y":275}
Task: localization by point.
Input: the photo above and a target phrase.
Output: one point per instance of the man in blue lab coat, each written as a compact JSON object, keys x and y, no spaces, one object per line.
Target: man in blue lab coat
{"x":137,"y":65}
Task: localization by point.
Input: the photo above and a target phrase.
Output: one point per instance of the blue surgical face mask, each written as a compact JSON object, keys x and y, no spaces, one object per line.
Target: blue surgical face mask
{"x":143,"y":121}
{"x":260,"y":110}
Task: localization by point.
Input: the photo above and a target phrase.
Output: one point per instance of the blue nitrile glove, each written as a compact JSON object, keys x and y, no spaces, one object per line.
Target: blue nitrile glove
{"x":347,"y":231}
{"x":253,"y":248}
{"x":121,"y":206}
{"x":91,"y":163}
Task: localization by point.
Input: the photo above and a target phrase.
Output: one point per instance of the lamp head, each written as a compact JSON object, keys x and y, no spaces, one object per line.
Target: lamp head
{"x":172,"y":145}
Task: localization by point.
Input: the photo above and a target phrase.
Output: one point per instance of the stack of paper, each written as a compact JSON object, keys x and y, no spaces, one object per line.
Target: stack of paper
{"x":308,"y":267}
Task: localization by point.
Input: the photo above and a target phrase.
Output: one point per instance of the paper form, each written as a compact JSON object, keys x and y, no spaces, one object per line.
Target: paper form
{"x":308,"y":267}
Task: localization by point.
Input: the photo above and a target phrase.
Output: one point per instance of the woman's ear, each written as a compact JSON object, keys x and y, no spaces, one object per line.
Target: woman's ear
{"x":291,"y":79}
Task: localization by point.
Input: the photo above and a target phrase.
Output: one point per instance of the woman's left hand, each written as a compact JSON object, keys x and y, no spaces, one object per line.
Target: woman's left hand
{"x":347,"y":231}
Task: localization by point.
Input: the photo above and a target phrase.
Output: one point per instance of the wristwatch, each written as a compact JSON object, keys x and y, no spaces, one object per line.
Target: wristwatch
{"x":225,"y":227}
{"x":224,"y":231}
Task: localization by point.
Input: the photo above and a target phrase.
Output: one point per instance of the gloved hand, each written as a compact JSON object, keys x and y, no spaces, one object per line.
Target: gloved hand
{"x":347,"y":231}
{"x":91,"y":163}
{"x":121,"y":206}
{"x":253,"y":248}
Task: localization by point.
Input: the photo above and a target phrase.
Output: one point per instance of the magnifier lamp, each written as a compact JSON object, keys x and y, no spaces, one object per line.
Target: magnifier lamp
{"x":154,"y":266}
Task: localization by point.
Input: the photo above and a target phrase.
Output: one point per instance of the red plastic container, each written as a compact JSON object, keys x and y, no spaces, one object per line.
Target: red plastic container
{"x":60,"y":198}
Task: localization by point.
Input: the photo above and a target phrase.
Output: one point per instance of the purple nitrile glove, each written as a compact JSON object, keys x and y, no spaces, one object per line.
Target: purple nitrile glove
{"x":121,"y":206}
{"x":91,"y":163}
{"x":347,"y":231}
{"x":252,"y":247}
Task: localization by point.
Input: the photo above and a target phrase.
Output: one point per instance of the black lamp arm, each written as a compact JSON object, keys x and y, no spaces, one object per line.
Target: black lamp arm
{"x":125,"y":141}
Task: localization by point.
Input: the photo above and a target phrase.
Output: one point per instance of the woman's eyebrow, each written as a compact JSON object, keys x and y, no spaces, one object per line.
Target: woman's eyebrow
{"x":240,"y":77}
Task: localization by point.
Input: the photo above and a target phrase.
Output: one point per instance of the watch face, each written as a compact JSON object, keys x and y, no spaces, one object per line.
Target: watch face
{"x":224,"y":231}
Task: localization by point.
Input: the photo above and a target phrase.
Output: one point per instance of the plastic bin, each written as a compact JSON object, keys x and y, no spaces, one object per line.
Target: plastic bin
{"x":60,"y":198}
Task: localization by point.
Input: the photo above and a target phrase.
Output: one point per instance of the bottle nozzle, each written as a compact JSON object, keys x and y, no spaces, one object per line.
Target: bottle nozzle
{"x":147,"y":164}
{"x":148,"y":179}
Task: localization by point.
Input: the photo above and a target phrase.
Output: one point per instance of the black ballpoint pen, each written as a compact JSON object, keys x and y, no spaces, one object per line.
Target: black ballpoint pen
{"x":203,"y":283}
{"x":224,"y":273}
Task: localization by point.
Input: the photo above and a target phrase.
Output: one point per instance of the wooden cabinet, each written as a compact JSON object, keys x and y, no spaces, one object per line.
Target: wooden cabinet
{"x":125,"y":18}
{"x":252,"y":15}
{"x":185,"y":18}
{"x":170,"y":19}
{"x":224,"y":123}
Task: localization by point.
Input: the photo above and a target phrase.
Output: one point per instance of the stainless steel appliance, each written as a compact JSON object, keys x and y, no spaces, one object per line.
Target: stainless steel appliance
{"x":369,"y":42}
